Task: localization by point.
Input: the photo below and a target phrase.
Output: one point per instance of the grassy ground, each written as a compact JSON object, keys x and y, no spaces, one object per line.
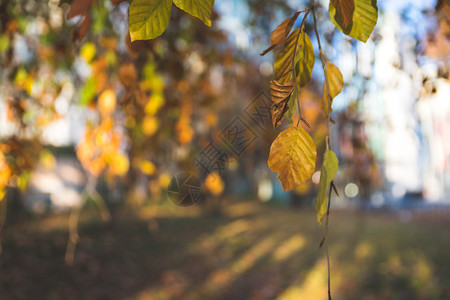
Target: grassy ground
{"x":253,"y":251}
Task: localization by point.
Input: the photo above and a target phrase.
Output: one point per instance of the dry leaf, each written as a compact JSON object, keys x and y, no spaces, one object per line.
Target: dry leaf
{"x":280,"y":98}
{"x":278,"y":36}
{"x":345,"y":9}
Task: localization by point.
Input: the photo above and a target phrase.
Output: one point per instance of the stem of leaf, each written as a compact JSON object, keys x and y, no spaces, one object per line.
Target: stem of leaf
{"x":324,"y":67}
{"x":328,"y":140}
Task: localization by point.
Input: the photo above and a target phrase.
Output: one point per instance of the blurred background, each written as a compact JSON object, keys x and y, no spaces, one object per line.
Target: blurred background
{"x":139,"y":170}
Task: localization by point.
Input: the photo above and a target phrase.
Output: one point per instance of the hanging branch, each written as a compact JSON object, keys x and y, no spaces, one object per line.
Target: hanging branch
{"x":328,"y":142}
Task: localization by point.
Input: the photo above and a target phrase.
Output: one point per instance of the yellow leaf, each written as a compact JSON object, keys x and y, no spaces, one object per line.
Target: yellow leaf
{"x":336,"y":84}
{"x":164,"y":180}
{"x":150,"y":125}
{"x":87,"y":52}
{"x":119,"y":165}
{"x":154,"y":104}
{"x":148,"y":18}
{"x":47,"y":159}
{"x":214,"y":184}
{"x":147,"y":167}
{"x":329,"y":169}
{"x":198,"y":8}
{"x":283,"y":61}
{"x":107,"y":102}
{"x":304,"y":59}
{"x":5,"y":172}
{"x":293,"y":156}
{"x":363,"y":17}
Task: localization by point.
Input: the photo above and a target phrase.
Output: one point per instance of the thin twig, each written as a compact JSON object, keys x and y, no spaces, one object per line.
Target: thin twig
{"x":324,"y":67}
{"x":328,"y":141}
{"x":326,"y":242}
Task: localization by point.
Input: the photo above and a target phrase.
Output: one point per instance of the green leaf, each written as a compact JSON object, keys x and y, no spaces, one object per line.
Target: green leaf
{"x":364,"y":19}
{"x":88,"y":91}
{"x":292,"y":103}
{"x":293,"y":156}
{"x":305,"y":60}
{"x":148,"y":18}
{"x":327,"y":173}
{"x":198,"y":8}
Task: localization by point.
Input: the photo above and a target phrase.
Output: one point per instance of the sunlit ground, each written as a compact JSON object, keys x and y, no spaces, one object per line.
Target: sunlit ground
{"x":253,"y":251}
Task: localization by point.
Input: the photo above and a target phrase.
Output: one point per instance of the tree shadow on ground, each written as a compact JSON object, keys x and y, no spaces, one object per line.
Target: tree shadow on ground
{"x":252,"y":251}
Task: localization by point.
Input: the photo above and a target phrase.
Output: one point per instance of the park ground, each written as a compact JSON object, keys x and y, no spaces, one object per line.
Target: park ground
{"x":250,"y":251}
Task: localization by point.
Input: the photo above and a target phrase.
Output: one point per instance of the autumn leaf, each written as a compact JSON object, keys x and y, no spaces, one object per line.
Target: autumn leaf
{"x":364,"y":18}
{"x":107,"y":102}
{"x":278,"y":36}
{"x":304,"y":60}
{"x":78,"y":7}
{"x":279,"y":91}
{"x":80,"y":31}
{"x":336,"y":84}
{"x":214,"y":184}
{"x":293,"y":156}
{"x":283,"y":61}
{"x":148,"y":19}
{"x":328,"y":171}
{"x":280,"y":97}
{"x":344,"y":10}
{"x":198,"y":8}
{"x":128,"y":75}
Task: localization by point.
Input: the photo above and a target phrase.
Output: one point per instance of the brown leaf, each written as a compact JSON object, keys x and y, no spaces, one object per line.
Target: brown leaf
{"x":80,"y":32}
{"x":280,"y":98}
{"x":78,"y":7}
{"x":345,"y":9}
{"x":114,"y":2}
{"x":128,"y":75}
{"x":278,"y":36}
{"x":278,"y":112}
{"x":279,"y":91}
